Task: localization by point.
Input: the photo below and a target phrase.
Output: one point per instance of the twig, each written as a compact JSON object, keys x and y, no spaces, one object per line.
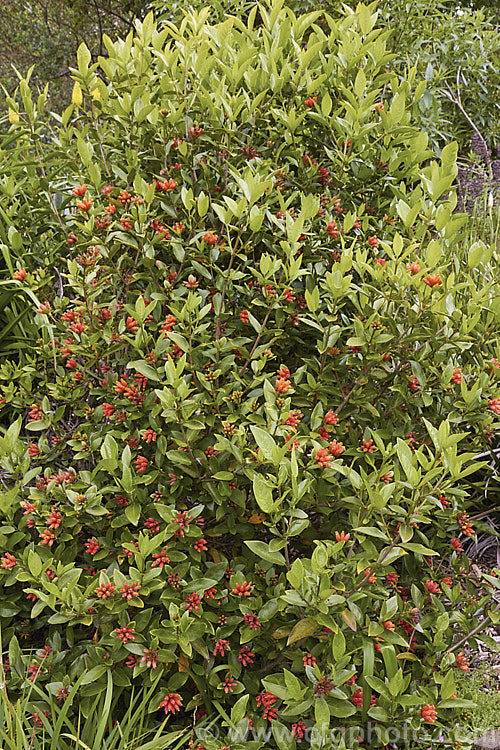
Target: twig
{"x":457,"y":100}
{"x":256,"y":342}
{"x":61,"y":286}
{"x":101,"y":33}
{"x":475,"y":630}
{"x":274,"y":663}
{"x":366,"y":371}
{"x":218,"y":327}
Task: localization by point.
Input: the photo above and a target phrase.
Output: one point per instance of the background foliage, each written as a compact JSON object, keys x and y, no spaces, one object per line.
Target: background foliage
{"x":46,"y":34}
{"x":457,"y":52}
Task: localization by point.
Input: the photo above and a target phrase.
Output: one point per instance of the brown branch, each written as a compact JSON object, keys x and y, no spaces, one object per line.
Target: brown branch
{"x":274,"y":663}
{"x":457,"y":100}
{"x":218,"y":326}
{"x":473,"y":632}
{"x":256,"y":342}
{"x":366,"y":372}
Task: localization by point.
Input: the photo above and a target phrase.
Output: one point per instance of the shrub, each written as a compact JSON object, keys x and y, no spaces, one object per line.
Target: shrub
{"x":234,"y":464}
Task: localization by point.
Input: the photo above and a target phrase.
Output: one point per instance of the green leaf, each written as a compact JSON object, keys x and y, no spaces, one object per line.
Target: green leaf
{"x":9,"y":440}
{"x":371,"y":531}
{"x":406,"y":532}
{"x":37,"y":426}
{"x":239,"y":709}
{"x":201,"y":584}
{"x":443,"y":622}
{"x":35,"y":564}
{"x":263,"y":494}
{"x":419,"y":549}
{"x":281,"y":734}
{"x":360,"y":83}
{"x":456,"y":703}
{"x":390,"y":661}
{"x":340,"y":709}
{"x":302,"y":629}
{"x":94,"y":674}
{"x":133,"y":513}
{"x":389,"y":608}
{"x":338,"y":645}
{"x":179,"y":341}
{"x":127,"y":481}
{"x":125,"y":239}
{"x":410,"y":700}
{"x":85,"y":151}
{"x":448,"y":687}
{"x":377,"y":684}
{"x":476,"y":252}
{"x":144,"y":369}
{"x":7,"y":499}
{"x":14,"y":653}
{"x":364,"y":18}
{"x":349,"y":619}
{"x":322,"y":714}
{"x":109,"y":448}
{"x":449,"y":156}
{"x":378,"y":713}
{"x":368,"y":662}
{"x":396,"y":683}
{"x":264,"y":440}
{"x":84,"y":58}
{"x":296,"y":573}
{"x":294,"y":685}
{"x":397,"y":108}
{"x":104,"y":716}
{"x":433,"y":253}
{"x":261,"y":549}
{"x":406,"y":458}
{"x":203,"y":203}
{"x":326,"y":104}
{"x":275,"y":687}
{"x":254,"y":322}
{"x":15,"y":238}
{"x":312,"y":299}
{"x":223,"y":475}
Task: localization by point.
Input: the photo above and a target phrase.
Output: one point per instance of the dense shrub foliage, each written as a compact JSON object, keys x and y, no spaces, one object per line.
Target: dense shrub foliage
{"x":453,"y":46}
{"x":266,"y":362}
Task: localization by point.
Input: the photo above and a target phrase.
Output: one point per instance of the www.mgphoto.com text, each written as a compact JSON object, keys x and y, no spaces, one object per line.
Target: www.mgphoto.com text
{"x":334,"y":738}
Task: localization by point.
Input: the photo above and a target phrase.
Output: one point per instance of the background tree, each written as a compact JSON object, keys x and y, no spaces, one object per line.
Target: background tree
{"x":456,"y":50}
{"x":47,"y":33}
